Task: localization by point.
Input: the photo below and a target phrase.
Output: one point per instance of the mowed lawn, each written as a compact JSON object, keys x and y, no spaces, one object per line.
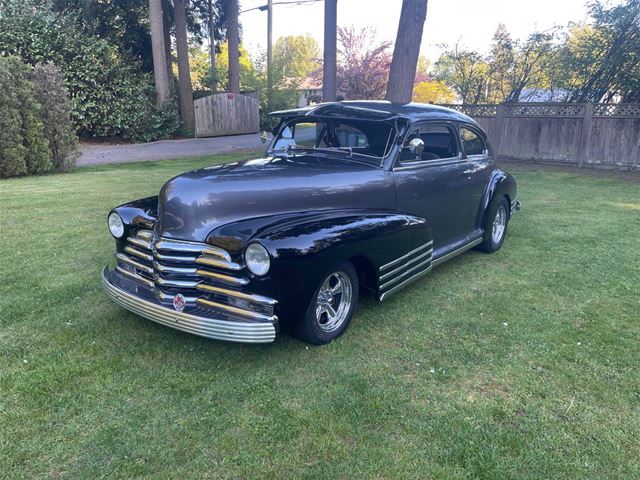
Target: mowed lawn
{"x":523,"y":364}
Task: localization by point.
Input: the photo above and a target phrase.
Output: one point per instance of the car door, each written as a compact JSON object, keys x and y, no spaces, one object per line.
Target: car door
{"x":442,"y":184}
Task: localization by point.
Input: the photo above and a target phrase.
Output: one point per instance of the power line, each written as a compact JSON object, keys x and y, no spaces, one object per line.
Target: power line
{"x":262,"y":8}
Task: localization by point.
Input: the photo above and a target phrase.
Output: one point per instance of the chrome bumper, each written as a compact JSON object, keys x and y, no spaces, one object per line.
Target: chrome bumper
{"x":233,"y":331}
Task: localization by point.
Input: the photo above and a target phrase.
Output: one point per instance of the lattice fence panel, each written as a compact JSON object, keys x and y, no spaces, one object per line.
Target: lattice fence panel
{"x":616,"y":110}
{"x":479,"y":110}
{"x":544,"y":110}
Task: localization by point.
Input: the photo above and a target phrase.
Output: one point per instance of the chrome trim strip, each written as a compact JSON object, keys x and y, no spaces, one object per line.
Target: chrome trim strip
{"x":218,"y":263}
{"x":130,"y":261}
{"x":144,"y":234}
{"x":173,"y":258}
{"x":406,"y":264}
{"x":403,"y":275}
{"x":237,"y":311}
{"x":457,"y":251}
{"x":138,"y":253}
{"x":407,"y":255}
{"x":178,"y":246}
{"x":191,"y":301}
{"x":231,"y":293}
{"x":406,"y":282}
{"x":134,"y":276}
{"x":178,"y":270}
{"x":223,"y":278}
{"x":139,"y":242}
{"x":163,"y":282}
{"x":249,"y":332}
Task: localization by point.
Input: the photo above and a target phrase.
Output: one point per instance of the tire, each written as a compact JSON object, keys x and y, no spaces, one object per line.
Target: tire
{"x":319,"y":326}
{"x":495,"y":225}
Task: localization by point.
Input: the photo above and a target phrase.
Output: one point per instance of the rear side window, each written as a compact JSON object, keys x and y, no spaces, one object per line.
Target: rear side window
{"x":472,"y":143}
{"x":439,"y":143}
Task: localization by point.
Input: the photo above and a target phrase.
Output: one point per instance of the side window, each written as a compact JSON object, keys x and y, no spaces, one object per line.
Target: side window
{"x":439,"y":144}
{"x":472,"y":143}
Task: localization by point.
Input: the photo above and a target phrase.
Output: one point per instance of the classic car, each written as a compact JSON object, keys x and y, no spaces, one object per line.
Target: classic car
{"x":350,"y":197}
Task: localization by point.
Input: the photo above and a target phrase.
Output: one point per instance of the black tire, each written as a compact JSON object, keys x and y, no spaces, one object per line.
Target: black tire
{"x":317,"y":329}
{"x":491,"y":243}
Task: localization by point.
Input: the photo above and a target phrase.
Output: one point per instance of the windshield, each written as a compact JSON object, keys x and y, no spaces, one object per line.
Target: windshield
{"x":369,"y":140}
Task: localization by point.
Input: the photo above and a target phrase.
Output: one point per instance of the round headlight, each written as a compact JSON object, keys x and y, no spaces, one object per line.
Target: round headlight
{"x":116,"y":227}
{"x":257,"y":259}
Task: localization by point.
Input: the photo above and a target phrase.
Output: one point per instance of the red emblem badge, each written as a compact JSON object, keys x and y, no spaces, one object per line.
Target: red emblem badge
{"x":179,"y":302}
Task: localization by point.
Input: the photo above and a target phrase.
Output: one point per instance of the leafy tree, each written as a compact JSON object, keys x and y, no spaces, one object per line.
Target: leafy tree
{"x":422,"y":70}
{"x":466,"y":72}
{"x":435,"y":91}
{"x":363,"y":64}
{"x":294,"y":58}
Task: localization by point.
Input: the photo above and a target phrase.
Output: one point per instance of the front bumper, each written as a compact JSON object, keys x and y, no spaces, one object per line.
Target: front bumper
{"x":219,"y":329}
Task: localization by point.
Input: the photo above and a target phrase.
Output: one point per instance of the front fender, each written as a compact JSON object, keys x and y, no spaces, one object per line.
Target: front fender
{"x":304,"y":248}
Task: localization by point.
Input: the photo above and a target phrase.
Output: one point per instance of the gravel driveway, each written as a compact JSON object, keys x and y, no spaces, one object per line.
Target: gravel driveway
{"x":92,"y":154}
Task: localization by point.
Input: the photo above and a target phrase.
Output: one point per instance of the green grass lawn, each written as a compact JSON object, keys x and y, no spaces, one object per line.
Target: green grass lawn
{"x":523,"y":364}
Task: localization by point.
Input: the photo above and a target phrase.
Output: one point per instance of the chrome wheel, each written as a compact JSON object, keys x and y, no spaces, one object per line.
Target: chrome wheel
{"x":333,"y":302}
{"x":499,"y":225}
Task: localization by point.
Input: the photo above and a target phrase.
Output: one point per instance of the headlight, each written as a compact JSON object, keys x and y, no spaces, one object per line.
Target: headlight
{"x":116,"y":227}
{"x":257,"y":259}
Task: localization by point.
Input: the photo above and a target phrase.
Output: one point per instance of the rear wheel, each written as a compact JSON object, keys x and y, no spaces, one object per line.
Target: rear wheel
{"x":495,"y":225}
{"x":332,"y":306}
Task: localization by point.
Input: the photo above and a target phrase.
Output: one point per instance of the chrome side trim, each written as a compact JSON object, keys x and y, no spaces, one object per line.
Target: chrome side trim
{"x":406,"y":282}
{"x":236,"y":311}
{"x":248,"y":332}
{"x":457,"y":251}
{"x":134,"y":276}
{"x":224,"y":278}
{"x":406,"y":264}
{"x":407,"y":255}
{"x":232,"y":293}
{"x":130,"y":261}
{"x":411,"y":270}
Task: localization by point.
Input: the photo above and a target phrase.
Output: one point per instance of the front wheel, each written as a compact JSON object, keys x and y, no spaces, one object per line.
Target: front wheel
{"x":495,"y":225}
{"x":332,"y":306}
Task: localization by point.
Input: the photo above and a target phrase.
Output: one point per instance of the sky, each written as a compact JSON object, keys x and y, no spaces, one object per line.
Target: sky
{"x":470,"y":22}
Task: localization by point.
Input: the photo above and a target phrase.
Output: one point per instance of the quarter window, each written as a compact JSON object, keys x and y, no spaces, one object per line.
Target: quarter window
{"x":472,"y":143}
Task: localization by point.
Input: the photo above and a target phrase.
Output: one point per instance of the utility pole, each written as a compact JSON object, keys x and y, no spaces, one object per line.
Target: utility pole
{"x":269,"y":52}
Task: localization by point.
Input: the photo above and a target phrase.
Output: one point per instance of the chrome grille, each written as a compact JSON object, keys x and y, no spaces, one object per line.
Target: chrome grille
{"x":205,"y":275}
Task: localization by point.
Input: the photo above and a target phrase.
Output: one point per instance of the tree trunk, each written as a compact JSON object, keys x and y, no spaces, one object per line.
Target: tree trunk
{"x":184,"y":75}
{"x":233,"y":37}
{"x":157,"y":46}
{"x":405,"y":54}
{"x":329,"y":87}
{"x":167,"y":44}
{"x":212,"y":47}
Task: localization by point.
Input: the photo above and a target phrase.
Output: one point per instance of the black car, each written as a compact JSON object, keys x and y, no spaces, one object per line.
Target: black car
{"x":350,"y":197}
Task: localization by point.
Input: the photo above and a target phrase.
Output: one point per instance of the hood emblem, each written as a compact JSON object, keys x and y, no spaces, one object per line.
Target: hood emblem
{"x":179,"y":302}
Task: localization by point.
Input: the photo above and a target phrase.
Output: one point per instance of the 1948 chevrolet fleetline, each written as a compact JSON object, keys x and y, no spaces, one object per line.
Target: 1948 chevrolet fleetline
{"x":350,"y":197}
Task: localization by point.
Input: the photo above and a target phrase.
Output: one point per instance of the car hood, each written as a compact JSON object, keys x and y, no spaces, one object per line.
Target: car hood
{"x":193,"y":204}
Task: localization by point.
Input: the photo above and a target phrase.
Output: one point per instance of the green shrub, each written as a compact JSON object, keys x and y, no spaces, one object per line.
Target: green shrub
{"x":110,"y":95}
{"x":52,"y":95}
{"x":23,"y":146}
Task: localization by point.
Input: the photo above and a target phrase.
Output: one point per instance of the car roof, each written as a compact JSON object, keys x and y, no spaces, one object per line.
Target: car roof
{"x":377,"y":110}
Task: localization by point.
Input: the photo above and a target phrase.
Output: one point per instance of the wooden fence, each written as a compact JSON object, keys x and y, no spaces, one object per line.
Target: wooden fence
{"x":586,"y":135}
{"x":226,"y":114}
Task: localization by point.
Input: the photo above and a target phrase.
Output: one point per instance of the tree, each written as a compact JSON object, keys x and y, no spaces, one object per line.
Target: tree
{"x":464,"y":71}
{"x":294,"y":58}
{"x":363,"y":66}
{"x":185,"y":89}
{"x":406,"y":51}
{"x":435,"y":91}
{"x":329,"y":66}
{"x":233,"y":37}
{"x":160,"y":71}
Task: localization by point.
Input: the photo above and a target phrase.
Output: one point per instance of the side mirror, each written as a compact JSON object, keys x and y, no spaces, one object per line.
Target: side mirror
{"x":416,"y":146}
{"x":264,"y":137}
